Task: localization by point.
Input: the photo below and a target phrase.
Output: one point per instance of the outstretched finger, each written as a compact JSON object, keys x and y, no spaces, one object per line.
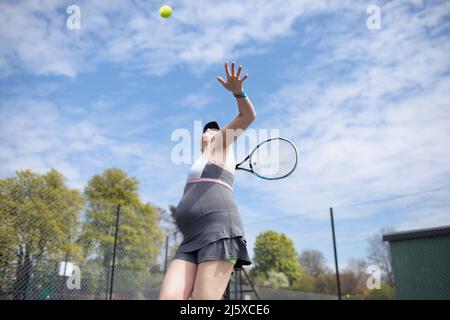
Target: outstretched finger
{"x":244,"y":77}
{"x":219,"y":78}
{"x":233,"y":72}
{"x":239,"y":71}
{"x":227,"y":71}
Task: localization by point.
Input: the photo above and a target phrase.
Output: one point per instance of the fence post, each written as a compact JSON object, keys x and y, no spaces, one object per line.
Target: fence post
{"x":235,"y":285}
{"x":338,"y":281}
{"x":114,"y":253}
{"x":226,"y":295}
{"x":167,"y":249}
{"x":240,"y":283}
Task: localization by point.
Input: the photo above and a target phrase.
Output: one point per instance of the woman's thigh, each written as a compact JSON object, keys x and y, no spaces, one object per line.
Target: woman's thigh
{"x":178,"y":281}
{"x":211,"y":280}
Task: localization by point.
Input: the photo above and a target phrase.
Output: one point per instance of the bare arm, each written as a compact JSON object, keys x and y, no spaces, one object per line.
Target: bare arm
{"x":246,"y":113}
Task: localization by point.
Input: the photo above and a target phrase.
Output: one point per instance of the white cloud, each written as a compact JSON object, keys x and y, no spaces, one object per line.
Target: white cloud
{"x":37,"y":135}
{"x":370,"y":116}
{"x":199,"y":33}
{"x":382,"y":128}
{"x":197,"y":100}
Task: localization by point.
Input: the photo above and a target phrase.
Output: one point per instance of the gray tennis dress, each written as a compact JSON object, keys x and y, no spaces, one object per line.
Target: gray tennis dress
{"x":208,"y":217}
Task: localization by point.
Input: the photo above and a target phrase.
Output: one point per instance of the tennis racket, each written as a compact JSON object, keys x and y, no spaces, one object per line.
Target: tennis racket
{"x":273,"y":159}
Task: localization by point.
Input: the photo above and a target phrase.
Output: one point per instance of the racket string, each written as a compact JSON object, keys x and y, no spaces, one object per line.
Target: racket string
{"x":274,"y":159}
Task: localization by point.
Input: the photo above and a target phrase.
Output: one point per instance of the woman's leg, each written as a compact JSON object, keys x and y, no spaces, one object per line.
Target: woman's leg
{"x":178,"y":281}
{"x":211,"y":280}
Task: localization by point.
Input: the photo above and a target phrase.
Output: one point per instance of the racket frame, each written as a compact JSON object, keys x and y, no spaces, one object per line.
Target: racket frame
{"x":256,"y":148}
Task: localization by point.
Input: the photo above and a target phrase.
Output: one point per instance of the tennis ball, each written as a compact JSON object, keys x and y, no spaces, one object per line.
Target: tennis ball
{"x":165,"y":11}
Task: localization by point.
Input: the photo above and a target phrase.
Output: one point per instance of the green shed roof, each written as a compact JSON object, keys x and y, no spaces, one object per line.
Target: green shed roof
{"x":418,"y":234}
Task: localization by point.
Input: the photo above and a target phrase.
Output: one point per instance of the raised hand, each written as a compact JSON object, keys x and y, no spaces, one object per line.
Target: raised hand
{"x":233,"y":83}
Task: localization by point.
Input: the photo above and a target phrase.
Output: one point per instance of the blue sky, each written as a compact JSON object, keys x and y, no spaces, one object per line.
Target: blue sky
{"x":368,"y":109}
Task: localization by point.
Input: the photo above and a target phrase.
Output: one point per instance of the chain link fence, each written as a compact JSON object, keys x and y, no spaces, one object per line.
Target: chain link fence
{"x":57,"y":244}
{"x":98,"y":264}
{"x":396,"y":247}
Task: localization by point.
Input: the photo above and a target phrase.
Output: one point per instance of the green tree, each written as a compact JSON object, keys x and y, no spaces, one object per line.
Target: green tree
{"x":139,"y":238}
{"x":276,"y":280}
{"x":38,"y":219}
{"x":307,"y":283}
{"x":275,"y":251}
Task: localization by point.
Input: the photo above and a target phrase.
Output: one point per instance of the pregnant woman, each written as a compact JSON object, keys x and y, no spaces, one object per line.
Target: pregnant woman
{"x":207,"y":216}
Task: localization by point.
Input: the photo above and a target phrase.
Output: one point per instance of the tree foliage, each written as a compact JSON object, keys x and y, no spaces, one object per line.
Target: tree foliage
{"x":276,"y":252}
{"x":38,"y":222}
{"x":139,"y":238}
